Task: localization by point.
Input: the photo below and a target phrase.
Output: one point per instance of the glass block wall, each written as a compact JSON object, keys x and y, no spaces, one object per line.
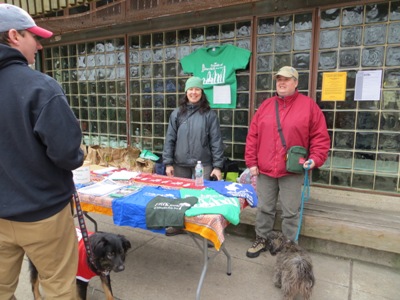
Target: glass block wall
{"x":123,"y":89}
{"x":282,"y":41}
{"x":157,"y":82}
{"x":365,"y":134}
{"x":93,"y":77}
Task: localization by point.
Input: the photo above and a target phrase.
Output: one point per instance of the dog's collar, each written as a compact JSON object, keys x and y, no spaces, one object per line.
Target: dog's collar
{"x":92,"y":266}
{"x":287,"y":242}
{"x":283,"y":245}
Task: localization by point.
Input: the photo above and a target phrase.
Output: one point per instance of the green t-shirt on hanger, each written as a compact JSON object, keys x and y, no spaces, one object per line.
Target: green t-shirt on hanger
{"x":217,"y":66}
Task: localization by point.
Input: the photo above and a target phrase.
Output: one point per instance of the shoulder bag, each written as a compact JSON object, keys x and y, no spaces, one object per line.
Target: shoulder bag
{"x":296,"y":155}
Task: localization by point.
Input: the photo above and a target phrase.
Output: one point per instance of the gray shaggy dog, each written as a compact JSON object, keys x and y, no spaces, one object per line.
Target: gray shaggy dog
{"x":293,"y":271}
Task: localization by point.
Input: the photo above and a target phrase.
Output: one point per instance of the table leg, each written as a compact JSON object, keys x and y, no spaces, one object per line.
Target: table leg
{"x":205,"y":266}
{"x":228,"y":258}
{"x":91,"y":219}
{"x":86,"y":214}
{"x":206,"y":259}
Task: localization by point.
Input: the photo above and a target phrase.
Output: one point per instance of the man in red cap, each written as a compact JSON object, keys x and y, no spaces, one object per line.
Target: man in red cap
{"x":40,"y":147}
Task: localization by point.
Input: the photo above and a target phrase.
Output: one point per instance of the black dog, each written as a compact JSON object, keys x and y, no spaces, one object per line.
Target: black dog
{"x":108,"y":254}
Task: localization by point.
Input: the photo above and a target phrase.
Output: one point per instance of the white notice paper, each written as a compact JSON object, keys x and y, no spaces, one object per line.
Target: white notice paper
{"x":123,"y":175}
{"x":222,"y":94}
{"x":101,"y":188}
{"x":104,"y":170}
{"x":368,"y":85}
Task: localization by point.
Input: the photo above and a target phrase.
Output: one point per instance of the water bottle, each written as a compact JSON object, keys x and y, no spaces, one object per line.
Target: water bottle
{"x":199,"y":178}
{"x":137,"y":142}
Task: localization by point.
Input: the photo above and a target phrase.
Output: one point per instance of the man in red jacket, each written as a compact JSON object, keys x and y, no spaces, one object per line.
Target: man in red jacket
{"x":303,"y":124}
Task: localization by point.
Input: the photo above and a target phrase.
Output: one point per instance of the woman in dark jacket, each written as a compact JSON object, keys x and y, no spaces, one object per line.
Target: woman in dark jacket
{"x":193,"y":134}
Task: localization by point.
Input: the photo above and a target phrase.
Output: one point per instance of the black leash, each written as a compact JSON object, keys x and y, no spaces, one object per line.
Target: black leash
{"x":82,"y":226}
{"x":85,"y":235}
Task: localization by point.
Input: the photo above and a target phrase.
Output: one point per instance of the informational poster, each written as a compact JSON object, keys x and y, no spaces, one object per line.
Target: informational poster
{"x":368,"y":85}
{"x":334,"y":86}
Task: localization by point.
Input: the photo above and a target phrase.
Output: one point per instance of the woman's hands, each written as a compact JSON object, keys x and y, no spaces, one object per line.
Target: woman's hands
{"x":254,"y":171}
{"x":169,"y":170}
{"x":217,"y":173}
{"x":309,"y":164}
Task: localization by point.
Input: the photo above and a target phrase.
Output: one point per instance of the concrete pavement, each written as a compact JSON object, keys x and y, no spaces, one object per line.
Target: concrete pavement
{"x":169,"y":268}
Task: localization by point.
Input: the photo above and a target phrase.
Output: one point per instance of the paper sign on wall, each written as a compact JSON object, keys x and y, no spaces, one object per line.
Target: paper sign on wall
{"x":222,"y":94}
{"x":368,"y":85}
{"x":334,"y":86}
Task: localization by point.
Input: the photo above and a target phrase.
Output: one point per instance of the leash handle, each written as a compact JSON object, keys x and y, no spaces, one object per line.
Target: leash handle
{"x":82,"y":226}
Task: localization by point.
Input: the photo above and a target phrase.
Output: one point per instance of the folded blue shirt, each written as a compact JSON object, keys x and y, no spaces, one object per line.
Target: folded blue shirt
{"x":233,"y":189}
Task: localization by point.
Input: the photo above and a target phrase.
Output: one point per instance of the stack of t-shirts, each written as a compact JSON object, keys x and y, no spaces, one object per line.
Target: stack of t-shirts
{"x":164,"y":212}
{"x":131,"y":210}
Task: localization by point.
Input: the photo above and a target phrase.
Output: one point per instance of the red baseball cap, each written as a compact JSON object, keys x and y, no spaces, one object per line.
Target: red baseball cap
{"x":14,"y":17}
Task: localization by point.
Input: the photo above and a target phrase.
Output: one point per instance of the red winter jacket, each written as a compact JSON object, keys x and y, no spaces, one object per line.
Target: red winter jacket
{"x":303,"y":124}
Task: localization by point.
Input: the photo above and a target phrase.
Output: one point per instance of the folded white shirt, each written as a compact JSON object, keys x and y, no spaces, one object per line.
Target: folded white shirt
{"x":101,"y":188}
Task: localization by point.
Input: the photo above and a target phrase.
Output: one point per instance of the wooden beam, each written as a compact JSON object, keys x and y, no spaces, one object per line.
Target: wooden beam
{"x":46,"y":6}
{"x":62,"y":3}
{"x":38,"y":7}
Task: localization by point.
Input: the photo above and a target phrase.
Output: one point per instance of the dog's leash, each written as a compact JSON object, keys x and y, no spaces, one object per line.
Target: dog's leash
{"x":82,"y":226}
{"x":305,"y":195}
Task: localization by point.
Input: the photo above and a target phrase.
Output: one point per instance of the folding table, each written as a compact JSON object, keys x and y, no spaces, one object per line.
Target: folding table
{"x":201,"y":228}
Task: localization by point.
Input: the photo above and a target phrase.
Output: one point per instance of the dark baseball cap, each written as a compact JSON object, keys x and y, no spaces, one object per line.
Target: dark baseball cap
{"x":13,"y":17}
